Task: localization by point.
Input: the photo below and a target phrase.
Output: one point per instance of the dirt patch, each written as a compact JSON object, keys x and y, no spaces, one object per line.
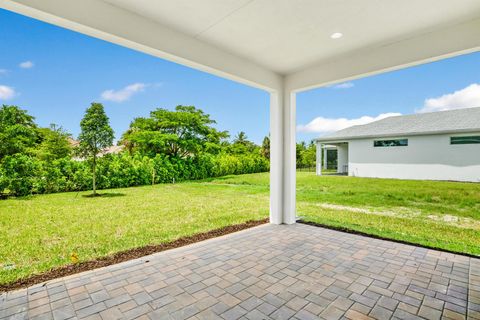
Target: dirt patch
{"x":126,"y":255}
{"x":403,"y":212}
{"x":342,"y":208}
{"x":399,"y":211}
{"x":466,"y":223}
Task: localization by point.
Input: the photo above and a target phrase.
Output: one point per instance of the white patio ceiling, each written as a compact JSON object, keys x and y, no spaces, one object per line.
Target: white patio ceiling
{"x":254,"y":41}
{"x":286,"y":36}
{"x":282,"y":46}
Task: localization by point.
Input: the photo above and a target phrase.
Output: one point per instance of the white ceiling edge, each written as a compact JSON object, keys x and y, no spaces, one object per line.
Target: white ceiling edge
{"x":428,"y":47}
{"x":101,"y":20}
{"x":110,"y":23}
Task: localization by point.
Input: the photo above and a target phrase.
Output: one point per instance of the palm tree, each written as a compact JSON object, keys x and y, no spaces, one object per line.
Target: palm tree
{"x":241,"y":138}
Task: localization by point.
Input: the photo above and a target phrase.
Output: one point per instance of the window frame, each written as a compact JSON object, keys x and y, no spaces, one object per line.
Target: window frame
{"x":454,"y":143}
{"x":390,"y":140}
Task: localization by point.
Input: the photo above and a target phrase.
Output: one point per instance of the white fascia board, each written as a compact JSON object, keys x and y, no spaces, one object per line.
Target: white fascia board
{"x":428,"y":47}
{"x":108,"y":22}
{"x":397,"y":135}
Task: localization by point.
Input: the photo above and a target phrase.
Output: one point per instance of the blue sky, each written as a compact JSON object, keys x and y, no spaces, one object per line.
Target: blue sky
{"x":63,"y":71}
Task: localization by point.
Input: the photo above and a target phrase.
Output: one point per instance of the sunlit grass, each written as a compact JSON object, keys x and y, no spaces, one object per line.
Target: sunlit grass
{"x":439,"y":214}
{"x":41,"y":232}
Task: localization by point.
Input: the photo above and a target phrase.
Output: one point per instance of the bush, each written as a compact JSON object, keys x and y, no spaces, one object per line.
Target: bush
{"x":23,"y":175}
{"x":19,"y":175}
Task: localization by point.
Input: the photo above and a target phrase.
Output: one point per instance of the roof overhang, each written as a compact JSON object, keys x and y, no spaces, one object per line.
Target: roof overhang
{"x":327,"y":140}
{"x":275,"y":44}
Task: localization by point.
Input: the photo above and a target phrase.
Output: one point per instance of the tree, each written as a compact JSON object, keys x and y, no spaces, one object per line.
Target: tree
{"x":306,"y":154}
{"x":182,"y":133}
{"x":96,"y":134}
{"x":18,"y":132}
{"x":242,"y":145}
{"x":310,"y":155}
{"x":265,"y":150}
{"x":300,"y":147}
{"x":241,"y":138}
{"x":54,"y":143}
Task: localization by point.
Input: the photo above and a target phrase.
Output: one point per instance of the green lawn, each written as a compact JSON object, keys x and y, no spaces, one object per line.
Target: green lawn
{"x":41,"y":232}
{"x":438,"y":214}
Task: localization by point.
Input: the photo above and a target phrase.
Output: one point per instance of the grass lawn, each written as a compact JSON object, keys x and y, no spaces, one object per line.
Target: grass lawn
{"x":41,"y":232}
{"x":438,"y":214}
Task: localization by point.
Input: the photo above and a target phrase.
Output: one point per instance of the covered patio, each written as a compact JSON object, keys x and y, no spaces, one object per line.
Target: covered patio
{"x":283,"y":47}
{"x":282,"y":270}
{"x":267,"y":272}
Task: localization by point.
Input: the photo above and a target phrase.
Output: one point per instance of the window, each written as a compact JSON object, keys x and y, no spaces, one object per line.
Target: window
{"x":391,"y":143}
{"x":465,"y":140}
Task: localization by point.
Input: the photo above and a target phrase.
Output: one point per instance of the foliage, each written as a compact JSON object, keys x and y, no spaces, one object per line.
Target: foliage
{"x":241,"y":145}
{"x":265,"y":149}
{"x":24,"y":175}
{"x":96,"y":134}
{"x":18,"y":132}
{"x":306,"y":155}
{"x":193,"y":150}
{"x":18,"y":174}
{"x":54,"y":143}
{"x":187,"y":131}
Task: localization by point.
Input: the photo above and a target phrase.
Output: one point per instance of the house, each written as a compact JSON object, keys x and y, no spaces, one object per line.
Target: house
{"x":108,"y":150}
{"x":427,"y":146}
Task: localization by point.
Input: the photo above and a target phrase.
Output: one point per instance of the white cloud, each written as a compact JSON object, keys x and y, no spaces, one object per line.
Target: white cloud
{"x":26,"y":64}
{"x":465,"y":98}
{"x":6,"y":93}
{"x":124,"y":93}
{"x":344,"y":85}
{"x":324,"y":125}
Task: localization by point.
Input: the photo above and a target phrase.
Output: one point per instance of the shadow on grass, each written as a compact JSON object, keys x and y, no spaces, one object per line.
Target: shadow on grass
{"x":104,"y":195}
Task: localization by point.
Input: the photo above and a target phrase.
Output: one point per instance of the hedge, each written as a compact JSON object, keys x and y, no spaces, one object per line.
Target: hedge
{"x":21,"y":174}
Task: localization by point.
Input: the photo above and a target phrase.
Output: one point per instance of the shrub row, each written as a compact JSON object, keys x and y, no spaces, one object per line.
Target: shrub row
{"x":21,"y":174}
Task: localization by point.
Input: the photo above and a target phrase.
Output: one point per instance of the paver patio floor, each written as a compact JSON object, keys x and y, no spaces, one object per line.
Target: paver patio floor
{"x":267,"y":272}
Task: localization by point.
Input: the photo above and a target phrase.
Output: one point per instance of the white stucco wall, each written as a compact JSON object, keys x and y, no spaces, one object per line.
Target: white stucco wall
{"x":425,"y":158}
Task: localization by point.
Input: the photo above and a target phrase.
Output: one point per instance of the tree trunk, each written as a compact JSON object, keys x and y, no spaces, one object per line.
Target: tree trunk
{"x":94,"y":174}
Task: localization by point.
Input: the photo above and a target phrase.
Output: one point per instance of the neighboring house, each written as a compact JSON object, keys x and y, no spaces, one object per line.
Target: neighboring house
{"x":109,"y":150}
{"x":427,"y":146}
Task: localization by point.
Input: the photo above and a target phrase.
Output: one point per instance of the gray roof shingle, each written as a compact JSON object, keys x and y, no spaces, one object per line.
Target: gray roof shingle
{"x":452,"y":121}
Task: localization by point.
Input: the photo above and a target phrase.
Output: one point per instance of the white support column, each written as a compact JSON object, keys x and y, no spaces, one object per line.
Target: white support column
{"x":325,"y":157}
{"x":318,"y":160}
{"x":282,"y":158}
{"x":276,"y":158}
{"x":290,"y":154}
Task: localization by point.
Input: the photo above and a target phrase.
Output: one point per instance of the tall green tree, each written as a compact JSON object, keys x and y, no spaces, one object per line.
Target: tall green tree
{"x":185,"y":132}
{"x":265,"y":150}
{"x":241,"y":138}
{"x":242,"y":145}
{"x":54,"y":143}
{"x":306,"y":154}
{"x":96,"y":134}
{"x":18,"y":132}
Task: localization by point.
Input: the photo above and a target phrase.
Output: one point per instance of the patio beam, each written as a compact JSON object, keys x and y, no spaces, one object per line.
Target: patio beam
{"x":430,"y":46}
{"x":105,"y":21}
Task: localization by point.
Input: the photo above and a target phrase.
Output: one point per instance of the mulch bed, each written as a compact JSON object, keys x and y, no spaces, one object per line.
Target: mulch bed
{"x":125,"y":256}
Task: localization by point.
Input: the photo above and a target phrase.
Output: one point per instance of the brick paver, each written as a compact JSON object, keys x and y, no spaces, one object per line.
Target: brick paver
{"x":268,"y":272}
